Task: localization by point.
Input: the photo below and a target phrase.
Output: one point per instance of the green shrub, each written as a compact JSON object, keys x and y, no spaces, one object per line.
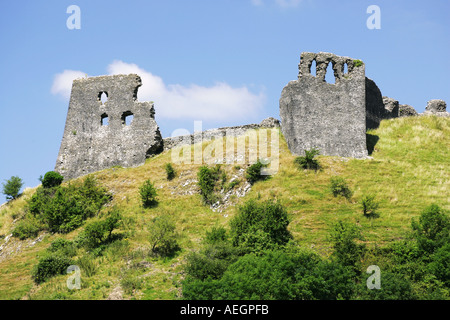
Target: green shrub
{"x":369,"y":205}
{"x":148,"y":194}
{"x":207,"y":181}
{"x":170,"y":171}
{"x":260,"y":226}
{"x":216,"y":235}
{"x":29,"y":227}
{"x":63,"y":209}
{"x":211,"y":261}
{"x":253,"y":172}
{"x":440,"y":265}
{"x":50,"y":266}
{"x":393,"y":286}
{"x":163,"y":237}
{"x":52,"y":179}
{"x":12,"y":187}
{"x":357,"y":63}
{"x":339,"y":186}
{"x":99,"y":232}
{"x":275,"y":275}
{"x":65,"y":247}
{"x":346,"y":250}
{"x":432,"y":230}
{"x":308,"y":162}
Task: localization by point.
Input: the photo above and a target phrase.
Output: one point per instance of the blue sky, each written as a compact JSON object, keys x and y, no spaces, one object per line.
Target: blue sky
{"x":224,"y":62}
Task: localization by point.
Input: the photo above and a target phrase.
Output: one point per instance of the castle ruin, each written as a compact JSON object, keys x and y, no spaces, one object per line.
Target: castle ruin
{"x":100,"y":134}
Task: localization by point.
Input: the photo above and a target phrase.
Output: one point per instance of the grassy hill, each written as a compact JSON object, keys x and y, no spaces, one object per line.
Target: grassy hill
{"x":409,"y":170}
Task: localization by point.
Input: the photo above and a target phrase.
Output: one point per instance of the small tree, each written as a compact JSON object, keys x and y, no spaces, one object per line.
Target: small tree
{"x":163,"y":236}
{"x":308,"y":161}
{"x":253,"y":172}
{"x":148,"y":194}
{"x":12,"y":188}
{"x":339,"y":186}
{"x":170,"y":171}
{"x":369,"y":205}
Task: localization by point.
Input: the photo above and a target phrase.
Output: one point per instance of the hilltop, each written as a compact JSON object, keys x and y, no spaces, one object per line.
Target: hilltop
{"x":407,"y":172}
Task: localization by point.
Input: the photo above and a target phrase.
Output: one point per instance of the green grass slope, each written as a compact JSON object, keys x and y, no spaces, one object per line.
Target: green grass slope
{"x":407,"y":172}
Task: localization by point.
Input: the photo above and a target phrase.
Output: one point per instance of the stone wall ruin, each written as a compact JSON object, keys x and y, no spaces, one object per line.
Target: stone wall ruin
{"x":106,"y":126}
{"x":326,"y":116}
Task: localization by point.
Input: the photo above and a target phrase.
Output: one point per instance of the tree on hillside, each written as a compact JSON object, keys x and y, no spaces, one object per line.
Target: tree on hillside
{"x":12,"y":188}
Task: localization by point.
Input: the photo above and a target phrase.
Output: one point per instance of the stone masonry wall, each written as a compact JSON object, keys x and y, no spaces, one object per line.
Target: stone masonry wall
{"x":97,"y":135}
{"x":326,"y":116}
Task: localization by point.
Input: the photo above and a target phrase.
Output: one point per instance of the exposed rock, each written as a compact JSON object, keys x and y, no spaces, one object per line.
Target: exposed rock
{"x":405,"y":110}
{"x":375,"y":111}
{"x":99,"y":135}
{"x":391,"y":106}
{"x":436,"y":105}
{"x":270,"y":123}
{"x":326,"y":116}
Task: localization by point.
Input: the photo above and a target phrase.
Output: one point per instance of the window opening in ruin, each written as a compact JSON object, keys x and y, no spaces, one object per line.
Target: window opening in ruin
{"x":312,"y":70}
{"x":103,"y":96}
{"x":127,"y":118}
{"x":345,"y":68}
{"x":329,"y":75}
{"x":104,"y":119}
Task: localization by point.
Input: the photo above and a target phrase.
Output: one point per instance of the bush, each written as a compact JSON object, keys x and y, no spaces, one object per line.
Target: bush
{"x":432,"y":230}
{"x":27,"y":228}
{"x":12,"y":188}
{"x":260,"y":226}
{"x":49,"y":266}
{"x":275,"y":275}
{"x":253,"y":172}
{"x":162,"y":236}
{"x":216,"y":235}
{"x":346,"y":250}
{"x":63,"y":209}
{"x":148,"y":194}
{"x":339,"y":186}
{"x":170,"y":171}
{"x":64,"y":247}
{"x":369,"y":205}
{"x":440,"y":265}
{"x":99,"y":232}
{"x":207,"y":181}
{"x":393,"y":287}
{"x":308,"y":162}
{"x":52,"y":179}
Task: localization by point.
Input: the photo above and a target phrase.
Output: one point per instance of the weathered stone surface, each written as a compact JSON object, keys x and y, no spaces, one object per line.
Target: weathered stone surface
{"x":375,"y":111}
{"x":270,"y":123}
{"x":90,"y":143}
{"x":236,"y":131}
{"x":436,"y":105}
{"x":405,"y":110}
{"x":329,"y":117}
{"x":391,"y":107}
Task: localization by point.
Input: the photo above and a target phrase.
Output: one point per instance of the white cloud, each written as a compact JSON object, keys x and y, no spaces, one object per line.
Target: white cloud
{"x":175,"y":101}
{"x":62,"y":82}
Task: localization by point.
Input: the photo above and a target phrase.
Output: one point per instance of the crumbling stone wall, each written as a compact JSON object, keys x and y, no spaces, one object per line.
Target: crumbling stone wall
{"x":326,"y":116}
{"x":99,"y":135}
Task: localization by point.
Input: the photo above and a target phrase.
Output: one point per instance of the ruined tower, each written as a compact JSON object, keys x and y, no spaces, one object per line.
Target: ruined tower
{"x":329,"y":117}
{"x":100,"y":134}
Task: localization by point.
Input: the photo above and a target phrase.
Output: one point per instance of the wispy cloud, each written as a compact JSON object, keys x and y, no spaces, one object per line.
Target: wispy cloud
{"x":218,"y":102}
{"x":62,"y":82}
